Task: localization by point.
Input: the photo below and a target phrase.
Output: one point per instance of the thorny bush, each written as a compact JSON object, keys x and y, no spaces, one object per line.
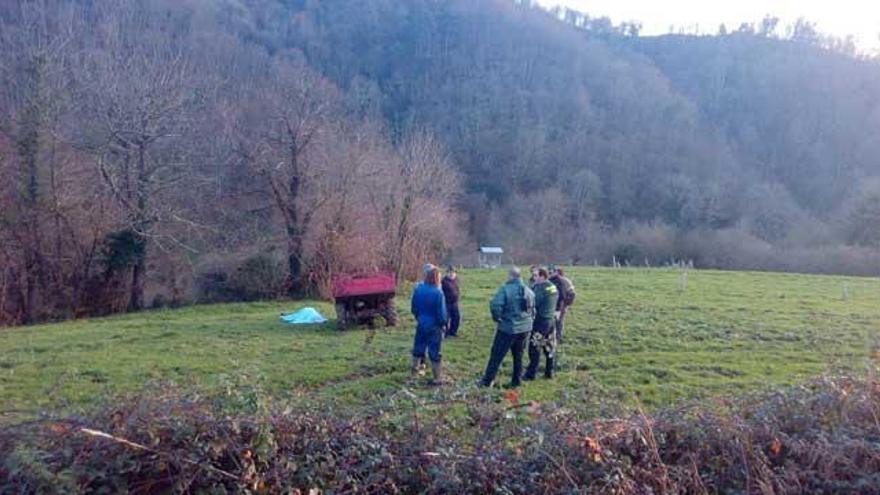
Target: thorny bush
{"x":823,"y":437}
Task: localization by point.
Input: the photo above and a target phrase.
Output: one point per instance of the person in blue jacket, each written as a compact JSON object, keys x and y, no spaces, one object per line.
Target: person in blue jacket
{"x":429,"y":308}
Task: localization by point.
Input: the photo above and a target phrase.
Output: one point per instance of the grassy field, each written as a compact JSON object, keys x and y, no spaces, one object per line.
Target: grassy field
{"x":652,"y":336}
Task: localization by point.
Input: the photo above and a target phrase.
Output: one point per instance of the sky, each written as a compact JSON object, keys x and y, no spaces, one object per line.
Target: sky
{"x":860,"y":18}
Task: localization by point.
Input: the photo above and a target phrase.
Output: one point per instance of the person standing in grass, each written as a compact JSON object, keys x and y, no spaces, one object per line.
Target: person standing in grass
{"x":543,"y":337}
{"x":429,"y":308}
{"x":451,"y":293}
{"x":427,"y":267}
{"x":513,"y":309}
{"x":566,"y":297}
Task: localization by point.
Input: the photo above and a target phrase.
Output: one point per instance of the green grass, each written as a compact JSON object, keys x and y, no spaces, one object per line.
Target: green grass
{"x":632,"y":334}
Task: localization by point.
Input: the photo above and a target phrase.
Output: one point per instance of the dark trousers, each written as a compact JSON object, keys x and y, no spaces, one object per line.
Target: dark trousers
{"x":454,"y":319}
{"x":543,"y":339}
{"x":513,"y":342}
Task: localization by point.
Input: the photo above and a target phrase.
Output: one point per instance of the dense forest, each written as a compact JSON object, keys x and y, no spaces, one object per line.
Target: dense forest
{"x":157,"y":153}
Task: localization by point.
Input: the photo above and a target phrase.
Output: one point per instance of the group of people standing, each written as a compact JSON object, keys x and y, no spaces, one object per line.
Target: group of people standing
{"x":527,"y":315}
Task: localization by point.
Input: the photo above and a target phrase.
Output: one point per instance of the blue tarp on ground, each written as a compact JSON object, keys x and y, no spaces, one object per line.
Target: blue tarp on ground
{"x":302,"y":316}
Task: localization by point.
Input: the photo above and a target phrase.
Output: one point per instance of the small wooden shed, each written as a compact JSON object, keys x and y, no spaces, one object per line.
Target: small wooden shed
{"x":489,"y":256}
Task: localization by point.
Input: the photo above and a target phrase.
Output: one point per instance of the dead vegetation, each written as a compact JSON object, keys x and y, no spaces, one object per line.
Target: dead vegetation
{"x":818,"y":438}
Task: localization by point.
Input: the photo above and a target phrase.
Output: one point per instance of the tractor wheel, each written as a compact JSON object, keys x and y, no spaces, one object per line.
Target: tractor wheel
{"x":341,"y":317}
{"x":390,"y":315}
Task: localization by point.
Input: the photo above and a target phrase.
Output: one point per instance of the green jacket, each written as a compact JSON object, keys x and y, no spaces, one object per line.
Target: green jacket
{"x":513,"y":307}
{"x":546,"y":295}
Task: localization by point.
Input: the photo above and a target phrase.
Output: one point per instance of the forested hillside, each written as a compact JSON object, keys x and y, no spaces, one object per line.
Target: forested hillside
{"x":163,"y":152}
{"x":566,"y":129}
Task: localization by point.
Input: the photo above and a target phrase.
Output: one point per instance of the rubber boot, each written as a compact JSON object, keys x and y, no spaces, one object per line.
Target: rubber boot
{"x":437,"y":371}
{"x":548,"y":370}
{"x":414,"y":369}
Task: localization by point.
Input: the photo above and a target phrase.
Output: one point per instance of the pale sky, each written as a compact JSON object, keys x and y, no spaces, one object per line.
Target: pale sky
{"x":860,"y":18}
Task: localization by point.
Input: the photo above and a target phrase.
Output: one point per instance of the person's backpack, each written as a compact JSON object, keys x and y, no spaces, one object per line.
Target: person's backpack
{"x":568,"y":292}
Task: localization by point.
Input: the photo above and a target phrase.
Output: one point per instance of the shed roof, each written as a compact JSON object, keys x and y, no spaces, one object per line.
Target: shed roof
{"x":491,"y":250}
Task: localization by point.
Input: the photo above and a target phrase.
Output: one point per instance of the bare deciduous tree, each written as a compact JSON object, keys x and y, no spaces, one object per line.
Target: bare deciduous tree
{"x":43,"y":248}
{"x":417,"y":202}
{"x":288,"y":146}
{"x":141,"y":106}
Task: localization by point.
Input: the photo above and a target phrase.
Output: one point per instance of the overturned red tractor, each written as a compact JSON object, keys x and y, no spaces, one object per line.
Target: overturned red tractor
{"x":361,"y":298}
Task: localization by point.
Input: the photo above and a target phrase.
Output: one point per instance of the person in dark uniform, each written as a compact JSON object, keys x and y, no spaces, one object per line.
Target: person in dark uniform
{"x":451,"y":293}
{"x":513,"y":309}
{"x":543,"y":337}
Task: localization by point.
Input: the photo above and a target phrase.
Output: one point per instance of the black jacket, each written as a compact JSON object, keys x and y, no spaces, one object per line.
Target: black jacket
{"x":450,"y":290}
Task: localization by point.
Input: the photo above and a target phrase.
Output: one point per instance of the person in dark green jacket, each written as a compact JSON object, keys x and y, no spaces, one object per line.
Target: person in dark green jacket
{"x":543,"y":336}
{"x":513,"y":309}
